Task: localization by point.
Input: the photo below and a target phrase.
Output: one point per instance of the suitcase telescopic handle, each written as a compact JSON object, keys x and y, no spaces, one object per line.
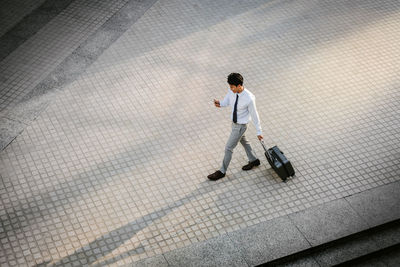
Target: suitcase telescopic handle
{"x":267,"y":153}
{"x":263,"y":144}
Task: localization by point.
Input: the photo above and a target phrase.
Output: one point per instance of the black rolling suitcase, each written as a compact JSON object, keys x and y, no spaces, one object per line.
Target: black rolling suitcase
{"x":278,"y":162}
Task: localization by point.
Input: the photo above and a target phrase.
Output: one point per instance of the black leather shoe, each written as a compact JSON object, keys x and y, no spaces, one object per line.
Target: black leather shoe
{"x":216,"y":175}
{"x":251,"y":165}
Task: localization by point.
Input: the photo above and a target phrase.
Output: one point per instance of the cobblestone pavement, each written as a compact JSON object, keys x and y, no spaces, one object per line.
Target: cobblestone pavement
{"x":114,"y":169}
{"x":40,"y":54}
{"x":12,"y":11}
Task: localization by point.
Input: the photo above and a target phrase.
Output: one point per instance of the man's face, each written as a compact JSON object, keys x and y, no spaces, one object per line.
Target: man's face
{"x":234,"y":88}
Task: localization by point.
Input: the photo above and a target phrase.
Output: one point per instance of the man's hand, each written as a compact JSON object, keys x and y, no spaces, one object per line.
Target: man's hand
{"x":260,"y":137}
{"x":216,"y":103}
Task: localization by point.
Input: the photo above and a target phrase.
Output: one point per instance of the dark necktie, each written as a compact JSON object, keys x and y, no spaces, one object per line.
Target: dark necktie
{"x":235,"y":110}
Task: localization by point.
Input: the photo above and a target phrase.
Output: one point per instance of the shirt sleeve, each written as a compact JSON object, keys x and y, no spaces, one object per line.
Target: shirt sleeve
{"x":225,"y":102}
{"x":254,"y":116}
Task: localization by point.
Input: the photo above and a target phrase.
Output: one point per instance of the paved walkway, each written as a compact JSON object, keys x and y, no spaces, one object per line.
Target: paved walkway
{"x":112,"y":168}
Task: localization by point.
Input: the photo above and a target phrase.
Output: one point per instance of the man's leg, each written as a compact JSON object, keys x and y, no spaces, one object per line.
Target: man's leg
{"x":247,"y":147}
{"x":237,"y":132}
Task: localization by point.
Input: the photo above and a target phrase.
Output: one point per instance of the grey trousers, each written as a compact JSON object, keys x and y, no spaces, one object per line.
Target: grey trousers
{"x":237,"y":135}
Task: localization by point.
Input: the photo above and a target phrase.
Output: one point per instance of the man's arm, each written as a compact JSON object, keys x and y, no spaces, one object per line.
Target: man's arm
{"x":225,"y":102}
{"x":254,"y":116}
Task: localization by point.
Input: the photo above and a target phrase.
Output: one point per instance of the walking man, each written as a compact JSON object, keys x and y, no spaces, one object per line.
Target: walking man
{"x":243,"y":104}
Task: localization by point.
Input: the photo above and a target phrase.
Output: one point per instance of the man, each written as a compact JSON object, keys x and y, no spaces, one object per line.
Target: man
{"x":243,"y":104}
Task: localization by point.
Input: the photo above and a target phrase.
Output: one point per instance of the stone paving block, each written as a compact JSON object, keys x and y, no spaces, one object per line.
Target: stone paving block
{"x":116,"y":163}
{"x":328,"y":222}
{"x":151,"y":262}
{"x":269,"y":240}
{"x":378,"y":206}
{"x":388,"y":259}
{"x":28,"y":25}
{"x":218,"y":251}
{"x":13,"y":11}
{"x":304,"y":262}
{"x":372,"y":262}
{"x":9,"y":43}
{"x":30,"y":106}
{"x":391,"y":259}
{"x":9,"y":129}
{"x":388,"y":237}
{"x":352,"y":249}
{"x":33,"y":23}
{"x":94,"y":46}
{"x":42,"y":52}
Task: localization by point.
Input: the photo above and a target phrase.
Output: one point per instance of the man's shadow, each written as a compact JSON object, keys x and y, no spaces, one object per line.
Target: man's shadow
{"x":107,"y":243}
{"x":204,"y":188}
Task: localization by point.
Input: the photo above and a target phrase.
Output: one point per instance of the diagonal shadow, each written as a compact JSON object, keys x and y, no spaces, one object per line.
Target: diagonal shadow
{"x":210,"y":187}
{"x":98,"y":174}
{"x":107,"y":243}
{"x":85,"y":177}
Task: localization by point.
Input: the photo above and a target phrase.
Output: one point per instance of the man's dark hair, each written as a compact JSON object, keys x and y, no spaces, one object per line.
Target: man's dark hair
{"x":235,"y":79}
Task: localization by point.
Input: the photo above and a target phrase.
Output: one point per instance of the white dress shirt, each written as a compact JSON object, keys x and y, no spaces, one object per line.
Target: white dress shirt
{"x":246,"y":108}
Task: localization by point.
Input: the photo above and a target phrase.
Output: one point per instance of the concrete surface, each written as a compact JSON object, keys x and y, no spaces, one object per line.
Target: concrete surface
{"x":119,"y":129}
{"x":379,"y":206}
{"x":269,"y":240}
{"x":328,"y":222}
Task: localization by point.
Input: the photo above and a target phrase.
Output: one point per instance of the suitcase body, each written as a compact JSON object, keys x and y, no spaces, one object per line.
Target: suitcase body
{"x":278,"y":161}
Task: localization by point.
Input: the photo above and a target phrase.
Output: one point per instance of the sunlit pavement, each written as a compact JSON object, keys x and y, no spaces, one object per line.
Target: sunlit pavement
{"x":112,"y":167}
